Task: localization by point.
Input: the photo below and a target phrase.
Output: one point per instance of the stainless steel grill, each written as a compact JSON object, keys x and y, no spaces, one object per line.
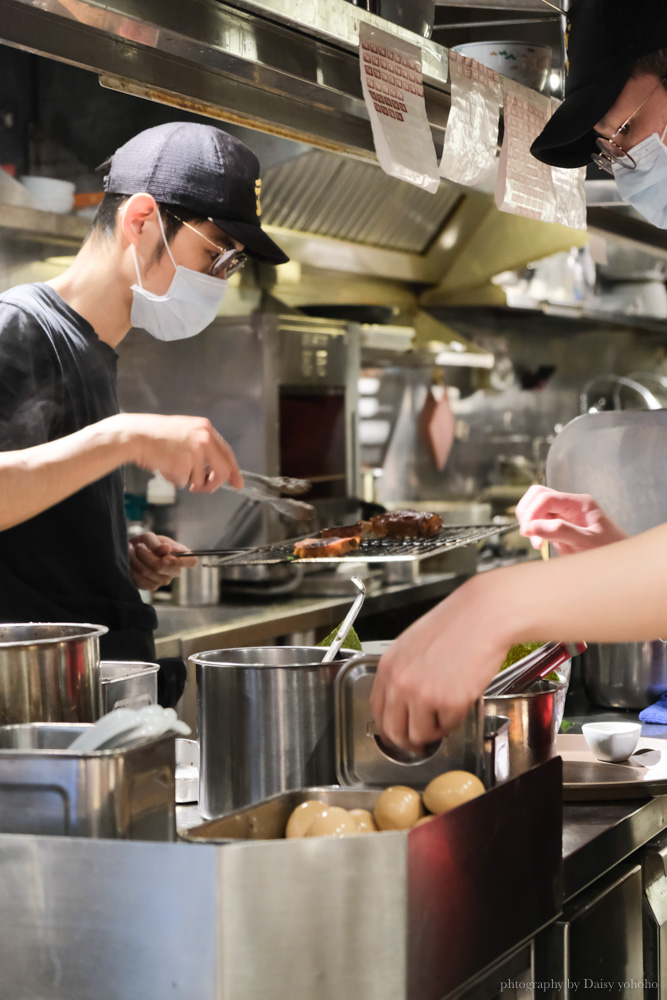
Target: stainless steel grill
{"x":377,"y":550}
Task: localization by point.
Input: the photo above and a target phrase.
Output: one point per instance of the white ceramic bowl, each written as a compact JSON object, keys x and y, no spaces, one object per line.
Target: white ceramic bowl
{"x":612,"y":741}
{"x":49,"y":193}
{"x":527,"y":64}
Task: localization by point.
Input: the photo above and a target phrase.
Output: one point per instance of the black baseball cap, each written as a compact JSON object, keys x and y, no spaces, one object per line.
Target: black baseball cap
{"x":202,"y":168}
{"x":604,"y":40}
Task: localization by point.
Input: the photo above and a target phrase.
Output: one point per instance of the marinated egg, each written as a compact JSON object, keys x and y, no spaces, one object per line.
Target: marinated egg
{"x":333,"y":822}
{"x":365,"y":821}
{"x":302,"y":817}
{"x":423,"y":821}
{"x":451,"y":789}
{"x":398,"y":808}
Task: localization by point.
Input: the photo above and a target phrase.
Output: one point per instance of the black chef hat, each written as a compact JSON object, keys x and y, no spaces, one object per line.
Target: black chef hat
{"x":202,"y":168}
{"x":604,"y":40}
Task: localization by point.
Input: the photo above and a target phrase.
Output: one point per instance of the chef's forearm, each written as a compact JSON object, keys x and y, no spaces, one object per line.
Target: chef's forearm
{"x":617,"y":593}
{"x":33,"y":479}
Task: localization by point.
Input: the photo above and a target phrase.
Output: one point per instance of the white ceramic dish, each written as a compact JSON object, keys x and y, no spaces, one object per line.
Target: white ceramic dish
{"x":50,"y":193}
{"x":612,"y":741}
{"x":528,"y":64}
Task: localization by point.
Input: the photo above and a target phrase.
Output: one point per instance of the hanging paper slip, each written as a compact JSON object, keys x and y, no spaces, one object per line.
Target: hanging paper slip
{"x":524,"y":183}
{"x":570,"y":206}
{"x":526,"y":186}
{"x":471,"y":137}
{"x":391,"y":78}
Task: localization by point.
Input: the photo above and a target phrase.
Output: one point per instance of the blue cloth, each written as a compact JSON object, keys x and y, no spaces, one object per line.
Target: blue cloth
{"x":656,"y":713}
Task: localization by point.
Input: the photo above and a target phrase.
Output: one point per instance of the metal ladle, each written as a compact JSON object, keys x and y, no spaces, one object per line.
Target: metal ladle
{"x":350,"y":617}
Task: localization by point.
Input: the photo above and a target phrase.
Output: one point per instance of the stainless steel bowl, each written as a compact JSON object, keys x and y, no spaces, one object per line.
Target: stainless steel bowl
{"x":625,"y":674}
{"x":265,"y":717}
{"x":50,"y":672}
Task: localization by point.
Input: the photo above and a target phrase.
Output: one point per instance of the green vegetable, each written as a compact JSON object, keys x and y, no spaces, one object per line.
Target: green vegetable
{"x":518,"y":652}
{"x":351,"y":639}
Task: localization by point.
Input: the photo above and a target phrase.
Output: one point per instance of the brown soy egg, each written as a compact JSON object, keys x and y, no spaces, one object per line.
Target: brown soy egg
{"x":423,"y":821}
{"x":450,"y":789}
{"x":365,"y":820}
{"x":302,"y":817}
{"x":398,"y":808}
{"x":333,"y":822}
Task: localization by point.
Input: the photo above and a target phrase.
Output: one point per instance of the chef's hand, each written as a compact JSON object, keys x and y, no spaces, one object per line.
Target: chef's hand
{"x":188,"y":451}
{"x":152,"y":563}
{"x":571,"y":522}
{"x":434,"y":671}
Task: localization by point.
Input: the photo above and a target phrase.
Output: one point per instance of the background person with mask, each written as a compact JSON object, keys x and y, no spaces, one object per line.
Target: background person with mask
{"x":180,"y":208}
{"x":609,"y":589}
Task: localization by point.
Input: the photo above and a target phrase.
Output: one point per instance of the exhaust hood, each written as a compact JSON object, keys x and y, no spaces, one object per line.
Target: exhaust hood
{"x":289,"y":69}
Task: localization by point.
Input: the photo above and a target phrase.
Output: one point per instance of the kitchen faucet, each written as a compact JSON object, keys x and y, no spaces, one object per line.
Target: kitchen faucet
{"x":616,"y":381}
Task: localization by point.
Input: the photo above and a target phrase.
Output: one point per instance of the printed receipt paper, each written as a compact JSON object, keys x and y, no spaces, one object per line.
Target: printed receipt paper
{"x":391,"y":78}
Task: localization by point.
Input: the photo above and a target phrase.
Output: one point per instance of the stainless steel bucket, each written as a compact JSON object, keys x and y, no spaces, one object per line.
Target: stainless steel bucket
{"x":265,"y":717}
{"x":50,"y":672}
{"x":533,"y":724}
{"x":625,"y":674}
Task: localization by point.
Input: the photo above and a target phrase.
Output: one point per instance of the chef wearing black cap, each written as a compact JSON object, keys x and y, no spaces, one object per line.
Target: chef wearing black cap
{"x":610,"y":588}
{"x":180,"y":213}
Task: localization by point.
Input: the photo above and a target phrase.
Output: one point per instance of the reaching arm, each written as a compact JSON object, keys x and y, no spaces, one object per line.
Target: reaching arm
{"x":434,"y":671}
{"x":188,"y":451}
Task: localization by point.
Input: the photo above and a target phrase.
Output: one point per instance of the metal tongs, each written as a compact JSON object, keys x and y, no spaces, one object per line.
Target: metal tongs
{"x":540,"y":662}
{"x":267,"y":489}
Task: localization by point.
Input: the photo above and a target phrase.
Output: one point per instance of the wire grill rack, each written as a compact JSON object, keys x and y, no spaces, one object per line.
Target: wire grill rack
{"x":376,"y":550}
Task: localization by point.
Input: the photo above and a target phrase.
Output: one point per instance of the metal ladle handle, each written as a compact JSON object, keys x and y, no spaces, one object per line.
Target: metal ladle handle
{"x":349,"y":620}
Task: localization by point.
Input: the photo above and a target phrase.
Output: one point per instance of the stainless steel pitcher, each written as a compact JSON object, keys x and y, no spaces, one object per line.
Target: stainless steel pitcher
{"x":265,"y":717}
{"x":625,"y":674}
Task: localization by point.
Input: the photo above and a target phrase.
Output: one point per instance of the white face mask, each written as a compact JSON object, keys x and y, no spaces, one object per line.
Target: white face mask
{"x":188,"y":306}
{"x":645,"y":187}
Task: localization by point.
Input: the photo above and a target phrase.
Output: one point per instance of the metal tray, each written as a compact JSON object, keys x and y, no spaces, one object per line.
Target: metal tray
{"x":587,"y":779}
{"x":363,"y":760}
{"x":376,"y":550}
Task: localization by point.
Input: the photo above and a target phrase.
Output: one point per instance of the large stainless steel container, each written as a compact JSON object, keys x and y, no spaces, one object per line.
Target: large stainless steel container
{"x":265,"y":718}
{"x":533,"y":717}
{"x":50,"y":672}
{"x":46,"y":789}
{"x":625,"y":674}
{"x":383,"y":917}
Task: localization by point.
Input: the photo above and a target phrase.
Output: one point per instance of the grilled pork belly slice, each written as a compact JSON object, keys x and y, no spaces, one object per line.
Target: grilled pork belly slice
{"x":406,"y":524}
{"x":314,"y":548}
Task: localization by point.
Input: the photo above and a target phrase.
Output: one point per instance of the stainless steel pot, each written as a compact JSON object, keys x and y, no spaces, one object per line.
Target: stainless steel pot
{"x":199,"y":586}
{"x":50,"y":673}
{"x":265,"y":717}
{"x":533,"y":726}
{"x":625,"y":674}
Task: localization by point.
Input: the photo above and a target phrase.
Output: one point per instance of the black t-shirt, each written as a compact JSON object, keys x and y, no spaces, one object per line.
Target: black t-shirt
{"x":69,"y":563}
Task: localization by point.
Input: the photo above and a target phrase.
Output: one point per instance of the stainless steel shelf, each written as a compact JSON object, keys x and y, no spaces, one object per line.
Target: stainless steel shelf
{"x":30,"y":225}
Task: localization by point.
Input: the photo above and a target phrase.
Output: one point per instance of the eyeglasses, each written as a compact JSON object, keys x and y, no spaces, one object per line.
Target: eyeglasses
{"x":610,"y":151}
{"x":228,"y":261}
